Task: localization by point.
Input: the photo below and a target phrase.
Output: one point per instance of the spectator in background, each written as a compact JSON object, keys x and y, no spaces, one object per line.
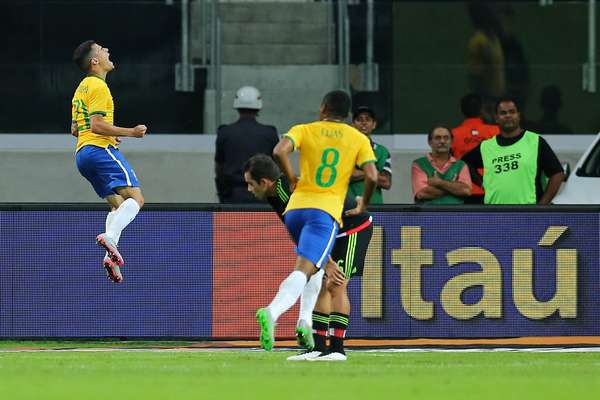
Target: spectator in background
{"x":472,"y":131}
{"x":551,"y":102}
{"x":239,"y":141}
{"x":518,"y":80}
{"x":365,"y":121}
{"x":516,"y":162}
{"x":485,"y":55}
{"x":439,"y":178}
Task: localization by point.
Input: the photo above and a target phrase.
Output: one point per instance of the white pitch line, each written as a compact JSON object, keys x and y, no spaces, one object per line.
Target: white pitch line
{"x":254,"y":349}
{"x":489,"y":350}
{"x":109,"y":349}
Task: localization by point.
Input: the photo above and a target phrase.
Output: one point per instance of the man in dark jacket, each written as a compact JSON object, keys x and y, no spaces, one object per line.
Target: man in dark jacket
{"x":239,"y":141}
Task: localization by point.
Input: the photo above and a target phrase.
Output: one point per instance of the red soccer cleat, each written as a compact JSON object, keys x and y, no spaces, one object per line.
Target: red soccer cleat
{"x":112,"y":270}
{"x":111,"y":247}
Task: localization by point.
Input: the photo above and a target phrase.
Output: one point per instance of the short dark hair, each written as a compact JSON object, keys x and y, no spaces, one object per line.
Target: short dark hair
{"x":337,"y":104}
{"x":363,"y":110}
{"x":471,"y":105}
{"x":261,"y":166}
{"x":82,"y":55}
{"x":433,"y":128}
{"x":505,"y":100}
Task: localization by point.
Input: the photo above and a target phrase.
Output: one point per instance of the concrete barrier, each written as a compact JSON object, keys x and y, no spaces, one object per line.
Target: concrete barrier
{"x":177,"y":168}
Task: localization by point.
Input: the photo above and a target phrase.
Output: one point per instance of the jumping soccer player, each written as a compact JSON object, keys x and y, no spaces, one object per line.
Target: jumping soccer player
{"x":332,"y":307}
{"x":97,"y":156}
{"x":329,"y":151}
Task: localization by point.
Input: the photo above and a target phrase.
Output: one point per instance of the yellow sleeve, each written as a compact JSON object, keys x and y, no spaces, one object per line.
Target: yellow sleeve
{"x":99,"y":98}
{"x":74,"y":110}
{"x":295,"y":135}
{"x":365,"y":153}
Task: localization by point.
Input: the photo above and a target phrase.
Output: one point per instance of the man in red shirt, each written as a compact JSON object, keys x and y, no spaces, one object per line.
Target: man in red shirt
{"x":469,"y":134}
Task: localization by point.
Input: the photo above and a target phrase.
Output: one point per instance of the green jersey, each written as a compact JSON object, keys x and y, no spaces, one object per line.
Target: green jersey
{"x":383,"y":163}
{"x":450,"y":175}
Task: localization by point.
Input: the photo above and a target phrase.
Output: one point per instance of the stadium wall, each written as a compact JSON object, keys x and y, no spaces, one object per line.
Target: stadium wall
{"x":178,"y":168}
{"x":195,"y":271}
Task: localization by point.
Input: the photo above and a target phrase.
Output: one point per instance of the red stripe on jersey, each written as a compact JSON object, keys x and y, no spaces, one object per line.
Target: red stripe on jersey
{"x":357,"y":229}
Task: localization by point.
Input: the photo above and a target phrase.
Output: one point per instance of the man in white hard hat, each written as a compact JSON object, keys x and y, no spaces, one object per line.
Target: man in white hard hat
{"x":239,"y":141}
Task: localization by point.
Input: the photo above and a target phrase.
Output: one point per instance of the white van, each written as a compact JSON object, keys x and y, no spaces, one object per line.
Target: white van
{"x":583,"y":185}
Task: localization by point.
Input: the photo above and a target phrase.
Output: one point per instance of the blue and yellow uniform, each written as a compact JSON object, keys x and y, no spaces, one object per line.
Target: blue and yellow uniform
{"x":329,"y":152}
{"x":97,"y":156}
{"x":352,"y":240}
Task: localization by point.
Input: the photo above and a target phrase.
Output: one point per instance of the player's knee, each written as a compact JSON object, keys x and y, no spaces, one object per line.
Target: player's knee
{"x":136,"y":195}
{"x":140,"y":200}
{"x":306,"y":266}
{"x":335,"y":289}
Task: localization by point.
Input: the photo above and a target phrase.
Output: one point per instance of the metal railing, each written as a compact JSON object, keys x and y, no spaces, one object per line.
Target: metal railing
{"x":210,"y":37}
{"x":588,"y":76}
{"x":589,"y":68}
{"x":343,"y":45}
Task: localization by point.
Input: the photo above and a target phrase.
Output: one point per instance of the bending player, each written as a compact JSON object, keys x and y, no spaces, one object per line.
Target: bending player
{"x":329,"y":151}
{"x":332,"y":309}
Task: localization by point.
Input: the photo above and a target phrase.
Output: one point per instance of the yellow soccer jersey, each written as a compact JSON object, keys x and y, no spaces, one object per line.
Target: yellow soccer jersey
{"x":329,"y":151}
{"x":91,"y":97}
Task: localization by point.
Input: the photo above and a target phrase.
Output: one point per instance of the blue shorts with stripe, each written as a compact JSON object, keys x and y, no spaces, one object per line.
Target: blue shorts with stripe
{"x":105,"y":168}
{"x":313,"y":231}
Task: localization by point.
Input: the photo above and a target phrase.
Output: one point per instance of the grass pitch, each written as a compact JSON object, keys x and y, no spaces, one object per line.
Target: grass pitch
{"x":142,"y":374}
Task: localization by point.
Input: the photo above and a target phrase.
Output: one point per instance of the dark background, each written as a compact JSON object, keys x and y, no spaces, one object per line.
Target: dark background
{"x":420,"y":48}
{"x":38,"y":77}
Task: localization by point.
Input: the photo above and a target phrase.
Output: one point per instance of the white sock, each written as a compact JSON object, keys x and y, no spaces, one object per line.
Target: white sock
{"x":310,"y":294}
{"x":109,"y":219}
{"x":121,"y":218}
{"x":289,"y":291}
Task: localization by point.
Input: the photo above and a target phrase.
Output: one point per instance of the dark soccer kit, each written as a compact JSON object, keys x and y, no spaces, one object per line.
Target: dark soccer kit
{"x":352,"y":240}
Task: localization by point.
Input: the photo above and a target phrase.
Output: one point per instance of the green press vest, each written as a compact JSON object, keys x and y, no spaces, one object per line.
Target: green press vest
{"x":510,"y":171}
{"x":450,"y":175}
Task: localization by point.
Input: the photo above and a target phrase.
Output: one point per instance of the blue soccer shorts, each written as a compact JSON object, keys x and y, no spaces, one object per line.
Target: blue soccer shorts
{"x":105,"y":168}
{"x":314,"y":232}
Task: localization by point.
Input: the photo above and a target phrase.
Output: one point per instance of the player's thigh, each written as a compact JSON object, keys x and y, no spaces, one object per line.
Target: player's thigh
{"x":122,"y":174}
{"x":306,"y":266}
{"x":114,"y":200}
{"x":336,"y":290}
{"x":97,"y":166}
{"x":294,"y":222}
{"x":127,"y":192}
{"x":350,"y":251}
{"x":314,"y":232}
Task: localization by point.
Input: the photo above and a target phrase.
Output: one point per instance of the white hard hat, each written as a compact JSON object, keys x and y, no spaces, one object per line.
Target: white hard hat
{"x":248,"y":97}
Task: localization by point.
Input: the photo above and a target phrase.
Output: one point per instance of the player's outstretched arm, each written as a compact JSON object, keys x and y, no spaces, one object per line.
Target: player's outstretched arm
{"x":101,"y":127}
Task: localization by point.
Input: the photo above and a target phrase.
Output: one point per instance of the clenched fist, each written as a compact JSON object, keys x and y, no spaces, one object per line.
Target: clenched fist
{"x":139,"y":131}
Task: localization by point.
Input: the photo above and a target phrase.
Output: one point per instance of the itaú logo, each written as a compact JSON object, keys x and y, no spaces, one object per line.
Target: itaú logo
{"x":411,"y":258}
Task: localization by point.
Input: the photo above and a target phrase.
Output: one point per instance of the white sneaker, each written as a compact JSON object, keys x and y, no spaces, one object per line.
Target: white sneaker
{"x":330,"y":357}
{"x":305,"y":356}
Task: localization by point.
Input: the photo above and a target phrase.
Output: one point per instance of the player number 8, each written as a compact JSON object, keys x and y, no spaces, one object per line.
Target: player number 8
{"x":325,"y":165}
